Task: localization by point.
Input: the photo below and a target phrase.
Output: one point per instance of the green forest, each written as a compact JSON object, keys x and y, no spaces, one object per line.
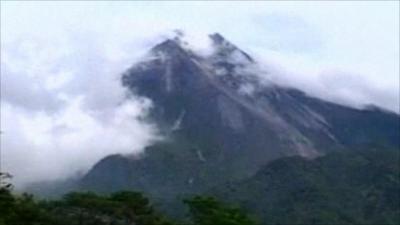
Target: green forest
{"x":351,"y":188}
{"x":120,"y":208}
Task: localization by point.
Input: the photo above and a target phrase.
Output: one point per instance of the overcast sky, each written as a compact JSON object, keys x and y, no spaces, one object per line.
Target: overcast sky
{"x":62,"y":106}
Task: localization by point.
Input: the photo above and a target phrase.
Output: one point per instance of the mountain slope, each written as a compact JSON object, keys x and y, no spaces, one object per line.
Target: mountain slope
{"x":222,"y":124}
{"x":352,"y":187}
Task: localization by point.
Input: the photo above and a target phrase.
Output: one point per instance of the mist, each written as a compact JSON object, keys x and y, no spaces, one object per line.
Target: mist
{"x":62,"y":104}
{"x":63,"y":108}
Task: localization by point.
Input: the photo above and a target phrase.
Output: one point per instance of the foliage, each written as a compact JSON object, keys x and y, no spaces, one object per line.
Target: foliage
{"x":79,"y":208}
{"x":361,"y":186}
{"x":208,"y":211}
{"x":21,"y":210}
{"x":120,"y":208}
{"x":4,"y":177}
{"x":351,"y":187}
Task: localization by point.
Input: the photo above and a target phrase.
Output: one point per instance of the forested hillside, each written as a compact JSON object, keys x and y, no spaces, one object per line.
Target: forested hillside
{"x":349,"y":187}
{"x":344,"y":187}
{"x":120,"y":208}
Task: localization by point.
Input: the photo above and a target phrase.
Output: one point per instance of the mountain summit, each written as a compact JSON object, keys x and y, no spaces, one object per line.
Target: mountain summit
{"x":222,"y":124}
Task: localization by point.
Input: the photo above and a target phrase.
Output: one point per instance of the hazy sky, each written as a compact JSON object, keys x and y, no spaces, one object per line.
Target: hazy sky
{"x":62,"y":107}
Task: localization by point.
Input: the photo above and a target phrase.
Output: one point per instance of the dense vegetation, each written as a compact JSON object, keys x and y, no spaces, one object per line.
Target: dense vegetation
{"x":120,"y":208}
{"x":349,"y":187}
{"x":358,"y":187}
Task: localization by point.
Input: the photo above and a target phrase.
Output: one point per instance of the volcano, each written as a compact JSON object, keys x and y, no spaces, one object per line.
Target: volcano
{"x":222,"y":122}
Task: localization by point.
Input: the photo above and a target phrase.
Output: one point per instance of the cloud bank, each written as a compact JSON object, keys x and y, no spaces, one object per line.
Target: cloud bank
{"x":63,"y":108}
{"x":62,"y":105}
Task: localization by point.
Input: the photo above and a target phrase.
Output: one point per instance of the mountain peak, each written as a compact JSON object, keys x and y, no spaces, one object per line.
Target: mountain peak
{"x":179,"y":46}
{"x":174,"y":43}
{"x":225,"y":48}
{"x":220,"y":42}
{"x":217,"y":38}
{"x":169,"y":45}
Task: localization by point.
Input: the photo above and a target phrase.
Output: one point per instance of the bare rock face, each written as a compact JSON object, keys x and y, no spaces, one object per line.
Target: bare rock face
{"x":222,"y":124}
{"x":231,"y":116}
{"x":229,"y":105}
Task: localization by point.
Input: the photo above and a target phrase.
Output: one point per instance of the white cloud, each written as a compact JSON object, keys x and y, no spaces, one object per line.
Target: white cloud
{"x":328,"y":82}
{"x":63,"y":108}
{"x":38,"y":146}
